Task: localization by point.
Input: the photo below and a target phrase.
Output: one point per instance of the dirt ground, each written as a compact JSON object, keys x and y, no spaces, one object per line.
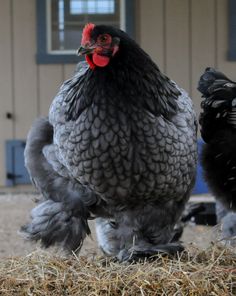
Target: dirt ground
{"x":15,"y":210}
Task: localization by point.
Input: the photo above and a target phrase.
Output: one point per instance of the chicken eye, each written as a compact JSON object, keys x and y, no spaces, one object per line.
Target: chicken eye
{"x":104,"y":38}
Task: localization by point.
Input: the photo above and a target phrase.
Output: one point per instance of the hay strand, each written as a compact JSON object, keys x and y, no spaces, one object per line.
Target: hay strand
{"x":195,"y":272}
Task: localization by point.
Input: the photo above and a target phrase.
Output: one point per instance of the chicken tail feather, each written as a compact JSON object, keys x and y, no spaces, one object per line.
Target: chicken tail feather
{"x":61,"y":218}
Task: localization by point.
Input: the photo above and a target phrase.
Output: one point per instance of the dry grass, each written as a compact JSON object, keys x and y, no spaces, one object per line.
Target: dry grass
{"x":195,"y":272}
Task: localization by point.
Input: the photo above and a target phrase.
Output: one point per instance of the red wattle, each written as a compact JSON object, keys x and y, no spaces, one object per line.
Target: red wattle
{"x":100,"y":61}
{"x":90,"y":62}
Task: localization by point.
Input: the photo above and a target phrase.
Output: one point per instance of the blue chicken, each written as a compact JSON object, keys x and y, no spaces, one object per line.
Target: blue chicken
{"x":119,"y":146}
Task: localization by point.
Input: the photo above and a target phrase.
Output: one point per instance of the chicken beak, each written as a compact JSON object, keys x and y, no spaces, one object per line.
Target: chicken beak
{"x":84,"y":50}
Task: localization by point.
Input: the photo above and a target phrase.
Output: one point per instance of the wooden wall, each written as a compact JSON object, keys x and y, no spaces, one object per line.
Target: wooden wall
{"x":182,"y":36}
{"x":186,"y":36}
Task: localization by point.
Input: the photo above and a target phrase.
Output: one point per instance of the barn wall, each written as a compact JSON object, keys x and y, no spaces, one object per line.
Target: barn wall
{"x":186,"y":36}
{"x":182,"y":36}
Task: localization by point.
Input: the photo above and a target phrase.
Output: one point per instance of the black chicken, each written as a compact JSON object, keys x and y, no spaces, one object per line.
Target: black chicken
{"x":218,"y":129}
{"x":119,"y":146}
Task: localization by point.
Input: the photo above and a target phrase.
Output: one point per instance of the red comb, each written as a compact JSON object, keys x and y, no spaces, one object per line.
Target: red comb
{"x":86,"y":35}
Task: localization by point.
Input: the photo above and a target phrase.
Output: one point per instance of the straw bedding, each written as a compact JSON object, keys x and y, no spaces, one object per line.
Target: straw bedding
{"x":194,"y":272}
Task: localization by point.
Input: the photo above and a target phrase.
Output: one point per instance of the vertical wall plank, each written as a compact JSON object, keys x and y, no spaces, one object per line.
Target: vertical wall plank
{"x":177,"y":42}
{"x":50,"y":79}
{"x":25,"y":70}
{"x":203,"y":42}
{"x":224,"y":65}
{"x":151,"y":28}
{"x":6,"y":92}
